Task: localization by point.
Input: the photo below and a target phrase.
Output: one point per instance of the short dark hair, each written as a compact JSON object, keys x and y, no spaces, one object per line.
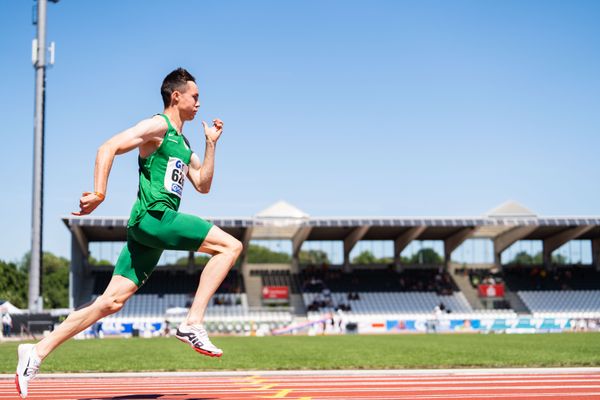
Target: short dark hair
{"x":174,"y":81}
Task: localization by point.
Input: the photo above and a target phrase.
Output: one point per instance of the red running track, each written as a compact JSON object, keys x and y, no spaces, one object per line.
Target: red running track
{"x":354,"y":385}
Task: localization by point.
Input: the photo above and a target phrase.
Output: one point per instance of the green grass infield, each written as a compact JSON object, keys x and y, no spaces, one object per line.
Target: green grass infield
{"x":322,"y":352}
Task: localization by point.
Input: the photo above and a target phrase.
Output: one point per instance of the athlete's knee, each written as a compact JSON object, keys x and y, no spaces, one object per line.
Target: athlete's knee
{"x":233,"y":247}
{"x":236,"y":247}
{"x":109,"y":304}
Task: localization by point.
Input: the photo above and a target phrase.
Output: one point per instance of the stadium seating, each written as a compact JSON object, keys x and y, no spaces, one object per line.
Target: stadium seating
{"x":171,"y":281}
{"x":575,"y":303}
{"x":371,"y":303}
{"x":233,"y":315}
{"x":154,"y":305}
{"x":377,"y":280}
{"x":365,"y":295}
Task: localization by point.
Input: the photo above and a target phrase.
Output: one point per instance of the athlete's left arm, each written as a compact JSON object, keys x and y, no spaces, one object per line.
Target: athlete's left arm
{"x":201,"y":174}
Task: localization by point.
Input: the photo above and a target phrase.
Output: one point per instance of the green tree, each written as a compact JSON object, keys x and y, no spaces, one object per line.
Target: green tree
{"x":313,"y":257}
{"x":261,"y":254}
{"x":55,"y":279}
{"x":426,"y":255}
{"x":365,"y":257}
{"x":94,"y":262}
{"x":13,"y":284}
{"x":198,"y":260}
{"x":524,"y":258}
{"x":559,"y":259}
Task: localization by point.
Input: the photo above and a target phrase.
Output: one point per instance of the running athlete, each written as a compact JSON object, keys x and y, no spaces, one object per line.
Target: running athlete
{"x":155,"y":224}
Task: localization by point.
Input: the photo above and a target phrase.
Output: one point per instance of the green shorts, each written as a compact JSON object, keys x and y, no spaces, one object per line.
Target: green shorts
{"x":158,"y":231}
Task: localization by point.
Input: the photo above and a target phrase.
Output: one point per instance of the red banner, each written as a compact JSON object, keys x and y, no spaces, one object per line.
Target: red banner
{"x":276,"y":293}
{"x":496,"y":290}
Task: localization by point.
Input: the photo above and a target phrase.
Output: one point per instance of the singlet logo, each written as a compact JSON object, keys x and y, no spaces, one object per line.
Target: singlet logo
{"x":175,"y":175}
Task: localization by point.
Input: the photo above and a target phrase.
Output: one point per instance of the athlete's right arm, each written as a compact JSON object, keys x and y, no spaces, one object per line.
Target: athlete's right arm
{"x":145,"y":131}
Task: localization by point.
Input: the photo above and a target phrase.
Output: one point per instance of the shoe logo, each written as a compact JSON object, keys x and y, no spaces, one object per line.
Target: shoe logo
{"x":26,"y":372}
{"x":193,"y":339}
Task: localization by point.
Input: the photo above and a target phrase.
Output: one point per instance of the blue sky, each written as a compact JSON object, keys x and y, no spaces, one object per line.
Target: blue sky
{"x":361,"y":108}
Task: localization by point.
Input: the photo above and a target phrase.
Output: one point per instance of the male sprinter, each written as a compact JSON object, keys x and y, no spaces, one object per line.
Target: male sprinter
{"x":154,"y":224}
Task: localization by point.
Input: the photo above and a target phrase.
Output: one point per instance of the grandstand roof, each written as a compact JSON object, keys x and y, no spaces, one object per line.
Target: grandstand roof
{"x":284,"y":221}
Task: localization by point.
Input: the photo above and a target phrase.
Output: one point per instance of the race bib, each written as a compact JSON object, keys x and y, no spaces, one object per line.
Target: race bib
{"x":175,"y":175}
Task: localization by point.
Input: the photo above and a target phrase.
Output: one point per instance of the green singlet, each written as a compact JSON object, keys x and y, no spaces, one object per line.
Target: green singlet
{"x":154,"y":224}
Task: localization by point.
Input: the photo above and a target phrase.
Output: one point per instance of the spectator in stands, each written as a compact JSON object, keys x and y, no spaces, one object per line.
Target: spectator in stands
{"x":489,"y":280}
{"x":402,"y":283}
{"x":343,"y":307}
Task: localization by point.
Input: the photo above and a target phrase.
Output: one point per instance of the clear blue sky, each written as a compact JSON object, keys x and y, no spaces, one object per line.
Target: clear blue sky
{"x":362,"y":108}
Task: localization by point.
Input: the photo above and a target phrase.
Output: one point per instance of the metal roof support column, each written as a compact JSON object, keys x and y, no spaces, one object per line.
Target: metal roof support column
{"x":191,"y":262}
{"x":506,"y":239}
{"x":451,"y":243}
{"x":246,"y":236}
{"x":350,"y":241}
{"x":596,"y":253}
{"x":77,"y":272}
{"x":404,"y":240}
{"x":554,"y":242}
{"x":299,"y":237}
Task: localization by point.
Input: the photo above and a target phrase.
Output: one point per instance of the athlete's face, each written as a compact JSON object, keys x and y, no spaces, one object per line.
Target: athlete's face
{"x":188,"y":102}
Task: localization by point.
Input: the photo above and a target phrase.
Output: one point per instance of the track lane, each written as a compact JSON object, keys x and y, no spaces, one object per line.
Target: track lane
{"x":368,"y":386}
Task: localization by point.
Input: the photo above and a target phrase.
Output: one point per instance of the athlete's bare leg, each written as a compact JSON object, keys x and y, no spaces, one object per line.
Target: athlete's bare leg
{"x":118,"y":291}
{"x":225,"y":249}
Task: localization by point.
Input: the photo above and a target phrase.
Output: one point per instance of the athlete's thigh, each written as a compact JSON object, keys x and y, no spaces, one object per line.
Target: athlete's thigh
{"x":136,"y":261}
{"x":172,"y":230}
{"x":120,"y":288}
{"x":217,"y":241}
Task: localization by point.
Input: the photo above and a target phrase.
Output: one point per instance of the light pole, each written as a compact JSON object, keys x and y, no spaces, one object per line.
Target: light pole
{"x":39,"y":63}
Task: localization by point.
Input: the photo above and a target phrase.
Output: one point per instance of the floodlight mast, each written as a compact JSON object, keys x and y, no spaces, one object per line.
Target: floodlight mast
{"x":35,"y":302}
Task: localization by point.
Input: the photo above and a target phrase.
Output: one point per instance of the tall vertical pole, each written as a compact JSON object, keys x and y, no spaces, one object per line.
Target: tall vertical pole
{"x":35,"y":302}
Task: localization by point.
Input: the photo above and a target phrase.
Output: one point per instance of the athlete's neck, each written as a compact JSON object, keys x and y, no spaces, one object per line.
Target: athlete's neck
{"x":175,"y":118}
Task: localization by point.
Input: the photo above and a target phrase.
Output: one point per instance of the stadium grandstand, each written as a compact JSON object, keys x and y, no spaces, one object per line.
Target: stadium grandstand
{"x":548,"y":292}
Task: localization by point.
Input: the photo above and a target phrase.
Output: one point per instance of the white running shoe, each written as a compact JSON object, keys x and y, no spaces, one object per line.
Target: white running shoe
{"x":196,"y":336}
{"x":27,"y":367}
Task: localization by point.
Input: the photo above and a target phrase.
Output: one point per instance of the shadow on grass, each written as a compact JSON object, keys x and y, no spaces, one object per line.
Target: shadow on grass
{"x":149,"y":397}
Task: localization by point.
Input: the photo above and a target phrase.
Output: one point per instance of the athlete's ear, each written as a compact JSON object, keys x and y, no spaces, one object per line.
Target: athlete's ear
{"x":175,"y":97}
